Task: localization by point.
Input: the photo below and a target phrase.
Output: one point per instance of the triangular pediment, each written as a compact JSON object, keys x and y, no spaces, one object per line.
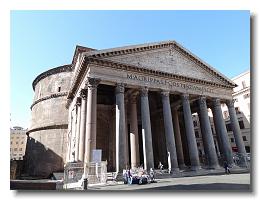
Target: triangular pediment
{"x":170,"y":58}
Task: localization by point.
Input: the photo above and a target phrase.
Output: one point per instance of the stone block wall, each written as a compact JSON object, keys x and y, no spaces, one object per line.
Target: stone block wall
{"x":47,"y":141}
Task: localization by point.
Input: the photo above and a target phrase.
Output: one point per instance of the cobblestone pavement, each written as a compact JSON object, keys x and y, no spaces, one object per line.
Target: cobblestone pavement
{"x":232,"y":182}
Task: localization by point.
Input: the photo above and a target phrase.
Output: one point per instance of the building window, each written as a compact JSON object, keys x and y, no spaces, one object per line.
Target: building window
{"x":231,"y":139}
{"x":17,"y":137}
{"x":243,"y":84}
{"x":241,"y":124}
{"x":17,"y":142}
{"x":20,"y":149}
{"x":198,"y":144}
{"x":11,"y":142}
{"x":195,"y":123}
{"x":229,"y":127}
{"x":246,"y":96}
{"x":244,"y":138}
{"x":15,"y":149}
{"x":197,"y":134}
{"x":22,"y":142}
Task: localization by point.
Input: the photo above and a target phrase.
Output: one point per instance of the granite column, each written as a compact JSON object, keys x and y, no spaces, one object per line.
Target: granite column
{"x":189,"y":127}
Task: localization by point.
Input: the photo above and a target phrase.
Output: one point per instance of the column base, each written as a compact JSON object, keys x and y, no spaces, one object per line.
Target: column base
{"x":174,"y":170}
{"x":119,"y":176}
{"x":195,"y":168}
{"x":182,"y":166}
{"x":213,"y":167}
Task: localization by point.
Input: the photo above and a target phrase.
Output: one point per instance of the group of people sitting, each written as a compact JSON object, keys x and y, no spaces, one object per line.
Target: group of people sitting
{"x":138,"y":176}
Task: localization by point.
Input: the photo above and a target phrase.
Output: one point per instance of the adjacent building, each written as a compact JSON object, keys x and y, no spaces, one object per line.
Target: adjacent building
{"x":241,"y":97}
{"x":18,"y":140}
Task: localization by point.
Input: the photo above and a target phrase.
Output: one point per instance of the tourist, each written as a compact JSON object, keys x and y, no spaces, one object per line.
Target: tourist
{"x":226,"y":167}
{"x":160,"y":166}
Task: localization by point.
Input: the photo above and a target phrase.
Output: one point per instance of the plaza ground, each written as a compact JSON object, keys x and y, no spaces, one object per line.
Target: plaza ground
{"x":232,"y":182}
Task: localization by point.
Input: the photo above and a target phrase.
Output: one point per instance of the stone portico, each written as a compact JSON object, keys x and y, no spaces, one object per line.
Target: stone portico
{"x":135,"y":103}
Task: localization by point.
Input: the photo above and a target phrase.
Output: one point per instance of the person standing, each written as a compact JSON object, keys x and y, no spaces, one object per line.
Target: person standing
{"x":226,"y":167}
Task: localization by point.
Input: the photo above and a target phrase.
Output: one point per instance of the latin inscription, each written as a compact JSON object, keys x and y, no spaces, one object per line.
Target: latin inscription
{"x":171,"y":84}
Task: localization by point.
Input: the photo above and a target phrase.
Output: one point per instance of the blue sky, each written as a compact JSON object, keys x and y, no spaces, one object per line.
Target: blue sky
{"x":41,"y":40}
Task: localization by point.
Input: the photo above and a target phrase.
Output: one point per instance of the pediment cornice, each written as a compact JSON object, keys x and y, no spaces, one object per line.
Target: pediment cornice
{"x":101,"y":57}
{"x":159,"y":45}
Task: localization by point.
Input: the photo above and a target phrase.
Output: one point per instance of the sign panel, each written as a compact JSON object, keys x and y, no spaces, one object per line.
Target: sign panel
{"x":96,"y":155}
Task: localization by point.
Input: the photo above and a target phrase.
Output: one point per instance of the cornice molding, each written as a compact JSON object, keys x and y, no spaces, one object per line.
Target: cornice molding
{"x":78,"y":50}
{"x":56,"y":95}
{"x":243,"y":91}
{"x":130,"y":50}
{"x":56,"y":70}
{"x":56,"y":126}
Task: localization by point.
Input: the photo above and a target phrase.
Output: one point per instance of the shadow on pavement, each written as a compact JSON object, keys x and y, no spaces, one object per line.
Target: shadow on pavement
{"x":205,"y":187}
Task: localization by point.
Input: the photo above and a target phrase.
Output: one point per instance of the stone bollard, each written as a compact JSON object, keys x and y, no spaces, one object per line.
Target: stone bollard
{"x":59,"y":185}
{"x":85,"y":184}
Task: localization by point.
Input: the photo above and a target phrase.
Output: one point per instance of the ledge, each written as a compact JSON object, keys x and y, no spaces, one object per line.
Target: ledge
{"x":56,"y":126}
{"x":60,"y":69}
{"x":56,"y":95}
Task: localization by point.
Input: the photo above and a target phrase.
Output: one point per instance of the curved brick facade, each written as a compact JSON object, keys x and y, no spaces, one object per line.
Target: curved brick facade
{"x":47,"y":141}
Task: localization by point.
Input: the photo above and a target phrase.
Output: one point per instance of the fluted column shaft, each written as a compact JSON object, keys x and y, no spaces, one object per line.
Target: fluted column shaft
{"x":78,"y":103}
{"x":90,"y":142}
{"x":222,"y":131}
{"x":134,"y":142}
{"x":237,"y":132}
{"x":169,"y":134}
{"x":120,"y":129}
{"x":146,"y":131}
{"x":178,"y":142}
{"x":207,"y":134}
{"x":189,"y":127}
{"x":83,"y":114}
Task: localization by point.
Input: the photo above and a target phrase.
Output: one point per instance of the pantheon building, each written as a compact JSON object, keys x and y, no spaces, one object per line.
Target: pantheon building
{"x":135,"y":104}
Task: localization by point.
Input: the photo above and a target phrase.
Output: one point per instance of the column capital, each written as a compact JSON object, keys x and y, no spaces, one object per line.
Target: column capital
{"x":165,"y":93}
{"x":78,"y":101}
{"x":120,"y":88}
{"x":216,"y":102}
{"x":93,"y":82}
{"x":144,"y":91}
{"x":185,"y":97}
{"x":84,"y":94}
{"x":230,"y":103}
{"x":202,"y":101}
